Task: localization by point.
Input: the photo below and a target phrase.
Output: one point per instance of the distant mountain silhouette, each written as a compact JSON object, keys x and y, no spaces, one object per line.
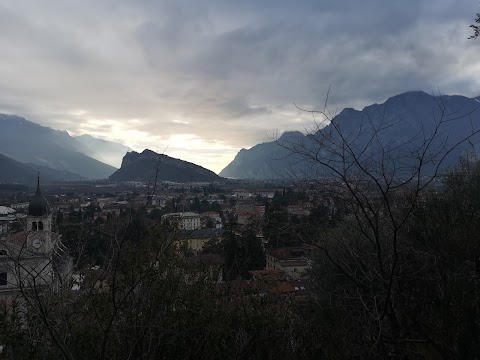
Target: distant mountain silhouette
{"x":143,"y":167}
{"x":27,"y":142}
{"x":268,"y":160}
{"x":14,"y":172}
{"x":108,"y":152}
{"x":401,"y":119}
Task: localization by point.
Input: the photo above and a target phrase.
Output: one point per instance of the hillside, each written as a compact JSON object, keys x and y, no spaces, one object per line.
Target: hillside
{"x":14,"y":172}
{"x":398,"y":123}
{"x":143,"y":167}
{"x":27,"y":142}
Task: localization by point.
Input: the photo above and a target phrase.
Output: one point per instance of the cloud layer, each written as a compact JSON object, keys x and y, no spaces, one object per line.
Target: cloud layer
{"x":199,"y":80}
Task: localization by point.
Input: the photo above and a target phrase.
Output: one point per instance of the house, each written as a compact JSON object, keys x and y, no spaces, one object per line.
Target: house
{"x":7,"y":217}
{"x":212,"y":216}
{"x":158,"y":201}
{"x":260,"y":211}
{"x":184,"y":220}
{"x":61,"y":207}
{"x":102,"y":202}
{"x":300,"y":209}
{"x":19,"y":206}
{"x":197,"y":239}
{"x":269,"y":194}
{"x":292,"y":260}
{"x":268,"y":275}
{"x":241,"y":194}
{"x":245,"y":211}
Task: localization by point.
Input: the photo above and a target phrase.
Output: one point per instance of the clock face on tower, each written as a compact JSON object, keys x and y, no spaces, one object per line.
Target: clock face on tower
{"x":37,"y":243}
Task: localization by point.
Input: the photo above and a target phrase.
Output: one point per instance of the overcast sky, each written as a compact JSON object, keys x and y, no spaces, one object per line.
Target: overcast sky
{"x":199,"y":80}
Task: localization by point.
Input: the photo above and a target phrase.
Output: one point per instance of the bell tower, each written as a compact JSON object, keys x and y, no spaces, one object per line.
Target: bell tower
{"x":39,"y":223}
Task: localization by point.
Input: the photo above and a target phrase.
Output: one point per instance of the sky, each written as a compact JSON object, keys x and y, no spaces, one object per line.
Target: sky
{"x":199,"y":80}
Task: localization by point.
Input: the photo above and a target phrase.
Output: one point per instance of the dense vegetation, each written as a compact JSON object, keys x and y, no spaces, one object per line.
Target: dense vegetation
{"x":148,"y":302}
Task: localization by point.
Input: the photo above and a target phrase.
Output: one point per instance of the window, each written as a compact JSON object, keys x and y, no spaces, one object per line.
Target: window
{"x":40,"y":225}
{"x":3,"y":279}
{"x":34,"y":226}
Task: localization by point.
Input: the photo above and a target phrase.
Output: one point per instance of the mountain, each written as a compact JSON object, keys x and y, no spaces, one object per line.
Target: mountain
{"x":14,"y":172}
{"x":142,"y":167}
{"x":109,"y":152}
{"x":27,"y":142}
{"x":268,"y":160}
{"x":399,"y":120}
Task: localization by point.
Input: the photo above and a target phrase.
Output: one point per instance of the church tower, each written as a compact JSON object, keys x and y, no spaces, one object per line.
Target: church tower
{"x":39,"y":224}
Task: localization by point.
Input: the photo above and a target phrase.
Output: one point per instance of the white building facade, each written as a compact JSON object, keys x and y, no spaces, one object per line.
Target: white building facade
{"x":184,"y":220}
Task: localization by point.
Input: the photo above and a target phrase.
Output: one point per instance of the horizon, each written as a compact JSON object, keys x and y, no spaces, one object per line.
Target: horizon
{"x":274,"y":136}
{"x":199,"y":82}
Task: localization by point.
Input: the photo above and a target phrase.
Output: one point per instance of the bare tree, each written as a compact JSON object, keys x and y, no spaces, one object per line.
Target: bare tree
{"x":476,"y":28}
{"x":381,"y":181}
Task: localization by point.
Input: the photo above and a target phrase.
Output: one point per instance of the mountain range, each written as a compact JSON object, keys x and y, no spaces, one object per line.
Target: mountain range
{"x":149,"y":166}
{"x":12,"y":171}
{"x":26,"y":147}
{"x":400,"y":121}
{"x":57,"y":154}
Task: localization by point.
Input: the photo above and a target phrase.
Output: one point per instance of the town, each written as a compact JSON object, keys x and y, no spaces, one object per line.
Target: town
{"x":202,"y":215}
{"x":239,"y":180}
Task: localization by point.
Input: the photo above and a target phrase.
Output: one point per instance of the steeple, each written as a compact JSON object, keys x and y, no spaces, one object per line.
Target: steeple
{"x":38,"y":205}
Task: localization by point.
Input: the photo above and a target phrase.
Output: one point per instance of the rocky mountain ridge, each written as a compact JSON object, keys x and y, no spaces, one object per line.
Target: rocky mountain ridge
{"x":401,"y":118}
{"x":148,"y":166}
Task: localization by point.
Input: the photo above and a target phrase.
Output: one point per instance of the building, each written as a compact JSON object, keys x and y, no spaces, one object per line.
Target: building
{"x":184,"y":220}
{"x":291,"y":260}
{"x":197,"y":239}
{"x":158,"y":201}
{"x":7,"y":217}
{"x":300,"y":209}
{"x":245,"y":211}
{"x":269,"y":194}
{"x":19,"y":206}
{"x":242,"y":194}
{"x":213,"y":217}
{"x":34,"y":258}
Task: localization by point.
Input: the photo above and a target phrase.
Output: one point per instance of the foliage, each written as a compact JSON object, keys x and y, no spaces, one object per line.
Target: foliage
{"x":476,"y":28}
{"x":148,"y":303}
{"x":276,"y":227}
{"x":395,"y":272}
{"x":241,"y":253}
{"x":370,"y":267}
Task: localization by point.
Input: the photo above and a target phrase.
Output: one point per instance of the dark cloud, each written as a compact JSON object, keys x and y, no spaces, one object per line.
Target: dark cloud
{"x":207,"y":78}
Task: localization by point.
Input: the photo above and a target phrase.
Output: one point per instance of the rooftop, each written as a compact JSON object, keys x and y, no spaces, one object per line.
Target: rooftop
{"x":5,"y":210}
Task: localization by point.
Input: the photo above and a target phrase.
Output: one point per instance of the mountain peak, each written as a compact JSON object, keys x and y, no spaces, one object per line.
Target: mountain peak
{"x":150,"y":153}
{"x":414,"y":92}
{"x":290,"y":135}
{"x":290,"y":138}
